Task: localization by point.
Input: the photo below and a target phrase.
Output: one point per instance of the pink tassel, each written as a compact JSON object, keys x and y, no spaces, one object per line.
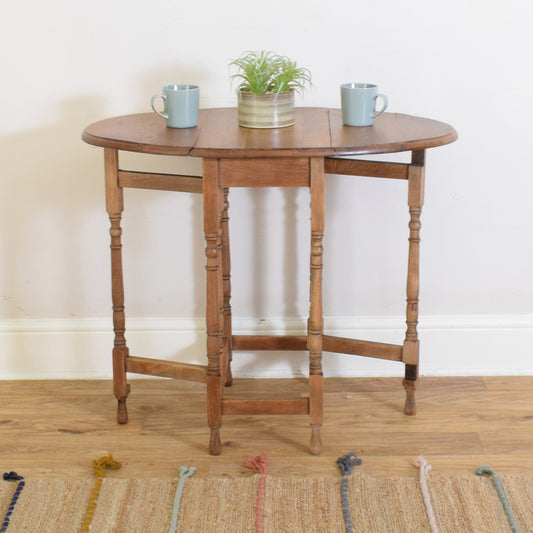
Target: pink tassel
{"x":425,"y":467}
{"x":259,"y":465}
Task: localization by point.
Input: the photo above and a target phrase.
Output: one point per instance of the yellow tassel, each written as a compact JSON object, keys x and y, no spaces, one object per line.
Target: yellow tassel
{"x":99,"y":466}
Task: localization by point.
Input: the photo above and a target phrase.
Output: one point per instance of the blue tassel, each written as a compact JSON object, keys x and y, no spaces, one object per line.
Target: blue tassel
{"x":346,"y":464}
{"x":501,"y":493}
{"x":12,"y":476}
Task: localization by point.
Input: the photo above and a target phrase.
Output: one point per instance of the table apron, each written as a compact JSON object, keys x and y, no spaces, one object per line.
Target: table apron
{"x":265,"y":172}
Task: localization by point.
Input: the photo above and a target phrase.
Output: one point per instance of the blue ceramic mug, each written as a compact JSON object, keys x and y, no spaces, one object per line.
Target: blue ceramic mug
{"x":181,"y":105}
{"x":358,"y":102}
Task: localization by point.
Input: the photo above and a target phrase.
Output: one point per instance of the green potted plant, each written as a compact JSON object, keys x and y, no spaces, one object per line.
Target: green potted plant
{"x":267,"y":83}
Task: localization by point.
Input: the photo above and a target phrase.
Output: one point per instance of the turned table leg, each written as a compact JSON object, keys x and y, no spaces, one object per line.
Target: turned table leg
{"x":213,"y":198}
{"x":411,"y":343}
{"x":315,"y":324}
{"x":226,"y":285}
{"x":115,"y":207}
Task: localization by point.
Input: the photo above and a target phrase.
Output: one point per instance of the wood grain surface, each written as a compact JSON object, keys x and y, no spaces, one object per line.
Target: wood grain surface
{"x":318,"y":132}
{"x":55,"y":428}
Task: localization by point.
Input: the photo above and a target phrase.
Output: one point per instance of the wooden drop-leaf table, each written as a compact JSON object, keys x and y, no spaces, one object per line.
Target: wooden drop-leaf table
{"x":297,"y":156}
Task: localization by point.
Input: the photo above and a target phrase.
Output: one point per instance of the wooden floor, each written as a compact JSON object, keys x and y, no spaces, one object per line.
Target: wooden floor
{"x":55,"y":428}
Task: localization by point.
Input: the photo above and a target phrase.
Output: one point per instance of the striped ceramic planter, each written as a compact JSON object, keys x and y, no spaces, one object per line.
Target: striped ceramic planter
{"x":266,"y":110}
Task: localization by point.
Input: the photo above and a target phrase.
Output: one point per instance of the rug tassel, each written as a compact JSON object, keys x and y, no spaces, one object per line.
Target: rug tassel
{"x":346,"y":464}
{"x":99,"y":466}
{"x":259,"y":465}
{"x":185,"y":473}
{"x":12,"y":476}
{"x":425,"y":467}
{"x":501,"y":493}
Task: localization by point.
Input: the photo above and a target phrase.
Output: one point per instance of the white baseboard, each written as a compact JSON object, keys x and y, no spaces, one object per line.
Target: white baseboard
{"x":450,"y":345}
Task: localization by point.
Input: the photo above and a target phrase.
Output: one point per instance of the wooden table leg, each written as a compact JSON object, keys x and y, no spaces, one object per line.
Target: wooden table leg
{"x":213,"y":198}
{"x":315,"y":324}
{"x":226,"y":284}
{"x":115,"y":207}
{"x":411,"y":343}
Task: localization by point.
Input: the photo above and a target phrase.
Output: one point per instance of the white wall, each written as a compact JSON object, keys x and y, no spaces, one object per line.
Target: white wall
{"x":66,"y":64}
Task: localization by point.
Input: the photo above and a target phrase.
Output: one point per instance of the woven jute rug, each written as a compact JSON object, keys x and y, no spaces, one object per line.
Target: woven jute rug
{"x":307,"y":505}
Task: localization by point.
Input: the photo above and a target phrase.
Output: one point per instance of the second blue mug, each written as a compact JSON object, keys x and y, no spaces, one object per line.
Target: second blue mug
{"x":358,"y":102}
{"x":181,"y":105}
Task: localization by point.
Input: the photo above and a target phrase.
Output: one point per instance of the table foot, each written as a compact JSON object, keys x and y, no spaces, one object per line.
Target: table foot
{"x":316,"y":442}
{"x":215,"y":446}
{"x":410,"y":405}
{"x":122,"y":411}
{"x":229,"y":377}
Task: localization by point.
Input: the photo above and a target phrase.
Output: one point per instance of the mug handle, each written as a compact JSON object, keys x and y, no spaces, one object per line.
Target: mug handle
{"x":152,"y":101}
{"x":385,"y":104}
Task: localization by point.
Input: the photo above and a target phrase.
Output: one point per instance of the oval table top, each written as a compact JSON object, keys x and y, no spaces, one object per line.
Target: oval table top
{"x":318,"y":132}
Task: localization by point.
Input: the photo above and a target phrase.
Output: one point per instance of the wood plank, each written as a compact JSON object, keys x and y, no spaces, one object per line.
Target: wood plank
{"x":382,"y":466}
{"x":260,"y":406}
{"x":391,"y":132}
{"x":463,"y":386}
{"x":269,"y":342}
{"x":166,"y":369}
{"x":515,"y":440}
{"x":381,"y":350}
{"x":508,"y":383}
{"x":271,"y":172}
{"x":221,"y":136}
{"x":375,"y":169}
{"x":160,"y":182}
{"x":144,"y":133}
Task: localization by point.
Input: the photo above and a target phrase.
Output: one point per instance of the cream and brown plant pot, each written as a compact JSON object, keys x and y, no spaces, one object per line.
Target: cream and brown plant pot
{"x":266,"y":111}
